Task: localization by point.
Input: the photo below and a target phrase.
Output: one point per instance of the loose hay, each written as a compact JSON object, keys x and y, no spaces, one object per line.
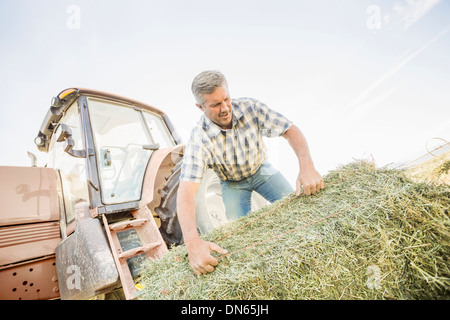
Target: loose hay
{"x":389,"y":239}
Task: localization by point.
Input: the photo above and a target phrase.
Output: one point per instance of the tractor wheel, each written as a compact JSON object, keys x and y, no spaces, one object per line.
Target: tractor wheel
{"x":167,"y":211}
{"x":210,"y":210}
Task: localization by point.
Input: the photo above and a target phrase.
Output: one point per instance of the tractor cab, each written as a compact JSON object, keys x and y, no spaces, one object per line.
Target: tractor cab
{"x":101,"y":145}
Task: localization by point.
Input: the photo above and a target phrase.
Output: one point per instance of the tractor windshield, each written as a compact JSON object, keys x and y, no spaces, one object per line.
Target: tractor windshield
{"x":125,"y":138}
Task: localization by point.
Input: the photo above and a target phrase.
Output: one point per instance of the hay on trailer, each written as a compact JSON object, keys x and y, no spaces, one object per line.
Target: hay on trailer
{"x":435,"y":170}
{"x":388,"y":238}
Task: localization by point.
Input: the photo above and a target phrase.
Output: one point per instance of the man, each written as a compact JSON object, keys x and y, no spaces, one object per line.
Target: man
{"x":228,"y":138}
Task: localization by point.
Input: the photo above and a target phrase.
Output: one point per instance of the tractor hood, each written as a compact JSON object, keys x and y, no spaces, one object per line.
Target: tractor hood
{"x":28,"y":195}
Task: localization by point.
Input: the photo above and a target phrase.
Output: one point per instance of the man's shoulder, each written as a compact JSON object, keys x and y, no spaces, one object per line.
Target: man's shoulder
{"x":199,"y":126}
{"x":199,"y":133}
{"x":244,"y":102}
{"x":246,"y":105}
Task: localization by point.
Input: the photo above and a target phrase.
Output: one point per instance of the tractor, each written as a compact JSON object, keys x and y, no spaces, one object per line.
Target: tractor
{"x":85,"y":225}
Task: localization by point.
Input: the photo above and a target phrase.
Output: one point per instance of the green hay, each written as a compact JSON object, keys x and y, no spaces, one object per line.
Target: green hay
{"x":389,"y":240}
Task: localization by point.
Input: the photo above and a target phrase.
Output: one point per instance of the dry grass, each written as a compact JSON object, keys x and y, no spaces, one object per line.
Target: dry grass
{"x":389,"y":239}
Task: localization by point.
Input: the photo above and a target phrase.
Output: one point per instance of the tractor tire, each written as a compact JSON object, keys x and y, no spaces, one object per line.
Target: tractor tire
{"x":167,"y":211}
{"x":210,"y":210}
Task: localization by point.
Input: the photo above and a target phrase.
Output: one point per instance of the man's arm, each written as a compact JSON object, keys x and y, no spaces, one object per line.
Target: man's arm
{"x":199,"y":251}
{"x":308,"y":177}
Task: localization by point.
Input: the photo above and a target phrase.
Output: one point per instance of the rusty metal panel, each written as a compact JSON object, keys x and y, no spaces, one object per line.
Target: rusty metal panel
{"x":34,"y":280}
{"x":25,"y":242}
{"x":28,"y":195}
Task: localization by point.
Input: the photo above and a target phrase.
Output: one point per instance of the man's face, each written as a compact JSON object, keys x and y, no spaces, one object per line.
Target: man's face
{"x":217,"y":107}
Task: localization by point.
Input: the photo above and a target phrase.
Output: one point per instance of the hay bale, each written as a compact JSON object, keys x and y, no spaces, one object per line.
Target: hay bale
{"x":387,"y":238}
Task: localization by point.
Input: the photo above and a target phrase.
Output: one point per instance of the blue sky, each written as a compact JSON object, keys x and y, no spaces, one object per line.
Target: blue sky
{"x":360,"y":78}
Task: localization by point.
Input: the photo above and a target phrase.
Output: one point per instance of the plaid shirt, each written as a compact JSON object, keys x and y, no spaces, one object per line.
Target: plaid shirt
{"x":236,"y":153}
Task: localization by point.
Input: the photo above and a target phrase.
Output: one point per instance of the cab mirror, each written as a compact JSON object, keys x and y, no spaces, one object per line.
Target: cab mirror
{"x":68,"y":148}
{"x":63,"y":132}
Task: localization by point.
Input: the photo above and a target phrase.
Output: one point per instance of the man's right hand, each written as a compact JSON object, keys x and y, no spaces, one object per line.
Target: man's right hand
{"x":200,"y":258}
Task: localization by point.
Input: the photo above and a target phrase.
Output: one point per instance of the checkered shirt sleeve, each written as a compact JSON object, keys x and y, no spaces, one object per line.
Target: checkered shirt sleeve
{"x":194,"y":159}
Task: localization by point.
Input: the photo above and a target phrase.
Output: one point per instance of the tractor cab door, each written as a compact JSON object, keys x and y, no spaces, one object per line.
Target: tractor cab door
{"x":84,"y":262}
{"x":72,"y":170}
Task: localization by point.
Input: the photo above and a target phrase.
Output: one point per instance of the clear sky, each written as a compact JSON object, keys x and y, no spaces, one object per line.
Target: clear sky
{"x":360,"y":78}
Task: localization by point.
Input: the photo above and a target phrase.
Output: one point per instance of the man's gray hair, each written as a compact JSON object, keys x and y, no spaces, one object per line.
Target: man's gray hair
{"x":207,"y":82}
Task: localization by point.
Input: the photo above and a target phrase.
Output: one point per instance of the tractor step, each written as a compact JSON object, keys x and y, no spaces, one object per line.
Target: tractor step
{"x":123,"y":225}
{"x":152,"y":244}
{"x":136,"y":251}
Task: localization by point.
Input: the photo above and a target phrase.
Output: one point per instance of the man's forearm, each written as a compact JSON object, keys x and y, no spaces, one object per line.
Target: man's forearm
{"x":186,"y":210}
{"x":308,"y":177}
{"x":199,"y":250}
{"x":298,"y":143}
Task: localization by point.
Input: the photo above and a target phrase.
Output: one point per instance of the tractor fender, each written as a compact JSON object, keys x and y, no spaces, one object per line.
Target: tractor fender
{"x":158,"y":169}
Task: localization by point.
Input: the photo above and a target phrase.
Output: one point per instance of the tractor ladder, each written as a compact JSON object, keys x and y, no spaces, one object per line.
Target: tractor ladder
{"x":152,"y":244}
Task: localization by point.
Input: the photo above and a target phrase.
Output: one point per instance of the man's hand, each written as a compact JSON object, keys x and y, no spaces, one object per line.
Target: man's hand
{"x":311,"y":181}
{"x":309,"y":178}
{"x":200,"y":258}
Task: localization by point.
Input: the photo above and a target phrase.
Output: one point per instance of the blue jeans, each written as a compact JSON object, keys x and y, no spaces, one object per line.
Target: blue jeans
{"x":267,"y":181}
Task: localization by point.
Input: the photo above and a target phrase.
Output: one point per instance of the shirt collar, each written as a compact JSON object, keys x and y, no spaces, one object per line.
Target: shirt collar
{"x":213,"y":129}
